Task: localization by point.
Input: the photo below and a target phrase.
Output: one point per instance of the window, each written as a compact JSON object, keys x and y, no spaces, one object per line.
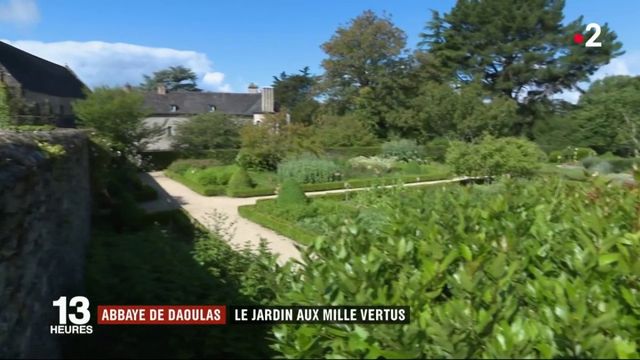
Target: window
{"x":169,"y":130}
{"x":212,"y":108}
{"x":61,"y":109}
{"x":174,"y":108}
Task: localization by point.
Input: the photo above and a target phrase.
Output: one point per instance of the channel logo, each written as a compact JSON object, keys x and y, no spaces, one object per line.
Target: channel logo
{"x":73,"y":316}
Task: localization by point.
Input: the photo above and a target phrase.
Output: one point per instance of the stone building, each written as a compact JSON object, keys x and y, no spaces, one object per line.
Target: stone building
{"x":169,"y":109}
{"x":41,"y":92}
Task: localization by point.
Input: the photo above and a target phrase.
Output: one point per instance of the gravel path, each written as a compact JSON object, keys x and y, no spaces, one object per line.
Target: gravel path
{"x":173,"y":195}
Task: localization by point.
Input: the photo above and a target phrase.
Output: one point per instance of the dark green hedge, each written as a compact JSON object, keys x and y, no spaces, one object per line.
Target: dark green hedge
{"x":225,"y":156}
{"x":250,"y":212}
{"x":212,"y":190}
{"x":242,"y":193}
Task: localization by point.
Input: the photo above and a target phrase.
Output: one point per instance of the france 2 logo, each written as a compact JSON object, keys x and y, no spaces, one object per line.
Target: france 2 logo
{"x":78,"y":318}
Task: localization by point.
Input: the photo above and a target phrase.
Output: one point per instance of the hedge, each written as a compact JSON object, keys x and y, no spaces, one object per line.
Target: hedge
{"x":212,"y":190}
{"x":283,"y":228}
{"x":338,"y":185}
{"x":242,"y":193}
{"x":225,"y":156}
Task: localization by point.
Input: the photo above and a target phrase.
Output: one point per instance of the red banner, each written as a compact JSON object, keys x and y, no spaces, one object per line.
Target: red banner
{"x":162,"y":314}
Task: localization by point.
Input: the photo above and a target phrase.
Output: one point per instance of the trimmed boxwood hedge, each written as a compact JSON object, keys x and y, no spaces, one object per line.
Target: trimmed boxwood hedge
{"x":211,"y":190}
{"x":282,"y":227}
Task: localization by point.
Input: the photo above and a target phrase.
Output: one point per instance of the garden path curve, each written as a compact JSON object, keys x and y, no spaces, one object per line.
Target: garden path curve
{"x":173,"y":195}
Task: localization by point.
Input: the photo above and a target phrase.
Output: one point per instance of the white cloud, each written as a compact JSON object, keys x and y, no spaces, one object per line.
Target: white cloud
{"x":627,"y":64}
{"x":100,"y":63}
{"x":19,"y":12}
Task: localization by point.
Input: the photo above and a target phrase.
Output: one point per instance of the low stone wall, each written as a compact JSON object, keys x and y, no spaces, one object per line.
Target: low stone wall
{"x":44,"y":232}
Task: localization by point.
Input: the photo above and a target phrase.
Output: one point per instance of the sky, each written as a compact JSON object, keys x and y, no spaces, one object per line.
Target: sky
{"x":230,"y":44}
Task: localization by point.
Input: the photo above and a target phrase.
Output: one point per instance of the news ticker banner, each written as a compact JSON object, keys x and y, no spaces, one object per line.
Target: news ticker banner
{"x":223,"y":314}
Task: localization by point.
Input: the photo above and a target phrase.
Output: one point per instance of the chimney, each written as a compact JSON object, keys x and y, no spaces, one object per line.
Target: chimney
{"x":127,"y":87}
{"x":162,"y":89}
{"x":253,"y":88}
{"x":267,"y":100}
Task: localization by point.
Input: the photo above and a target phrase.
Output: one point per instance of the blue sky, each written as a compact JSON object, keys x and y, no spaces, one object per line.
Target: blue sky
{"x":231,"y":43}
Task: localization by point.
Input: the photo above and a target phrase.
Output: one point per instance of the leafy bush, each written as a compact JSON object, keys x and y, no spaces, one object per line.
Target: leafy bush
{"x":603,"y":167}
{"x":291,"y":194}
{"x":402,"y":149}
{"x":534,"y":270}
{"x":491,"y":157}
{"x":206,"y":132}
{"x":622,"y":164}
{"x":309,"y":170}
{"x":240,"y":180}
{"x":342,"y":131}
{"x":571,"y":154}
{"x":373,"y":164}
{"x":590,"y":161}
{"x":218,"y":175}
{"x":436,"y":149}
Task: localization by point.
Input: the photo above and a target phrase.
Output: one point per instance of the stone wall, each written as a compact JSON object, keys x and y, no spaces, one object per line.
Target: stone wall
{"x":44,"y":234}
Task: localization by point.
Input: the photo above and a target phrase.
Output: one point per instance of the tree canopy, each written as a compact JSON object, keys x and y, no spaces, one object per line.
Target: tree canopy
{"x":207,"y":132}
{"x":295,"y":93}
{"x":517,"y":48}
{"x":175,"y":78}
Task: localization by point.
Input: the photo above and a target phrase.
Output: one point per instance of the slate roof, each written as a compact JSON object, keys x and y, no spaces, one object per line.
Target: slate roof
{"x":39,"y":75}
{"x":190,"y":103}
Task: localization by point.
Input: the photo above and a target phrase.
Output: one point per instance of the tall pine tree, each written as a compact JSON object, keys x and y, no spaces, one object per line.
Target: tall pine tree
{"x":518,"y":48}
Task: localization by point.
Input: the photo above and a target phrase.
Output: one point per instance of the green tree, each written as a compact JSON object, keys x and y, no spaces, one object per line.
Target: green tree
{"x":465,"y":113}
{"x":206,"y":132}
{"x":359,"y":55}
{"x":607,"y":117}
{"x":117,"y":115}
{"x":265,"y":144}
{"x":175,"y":78}
{"x":295,"y":94}
{"x":5,"y":111}
{"x":517,"y":48}
{"x":342,"y":131}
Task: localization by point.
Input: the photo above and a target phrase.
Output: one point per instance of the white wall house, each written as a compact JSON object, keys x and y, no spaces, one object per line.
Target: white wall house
{"x":169,"y":109}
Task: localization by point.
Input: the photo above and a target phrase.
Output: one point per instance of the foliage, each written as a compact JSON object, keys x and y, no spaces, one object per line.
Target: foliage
{"x":174,"y":78}
{"x":617,"y":164}
{"x":436,"y":149}
{"x":375,"y":164}
{"x":295,"y":94}
{"x":402,"y":149}
{"x":309,"y":169}
{"x":475,"y":42}
{"x":465,"y":113}
{"x":264,"y":145}
{"x":571,"y":154}
{"x":51,"y":150}
{"x":342,"y":131}
{"x":118,"y":116}
{"x":359,"y":55}
{"x":291,"y":194}
{"x":193,"y":184}
{"x":170,"y":261}
{"x":491,"y":157}
{"x":5,"y":111}
{"x":504,"y":271}
{"x":207,"y":132}
{"x":606,"y":118}
{"x":240,"y":180}
{"x":181,"y":166}
{"x":216,"y":175}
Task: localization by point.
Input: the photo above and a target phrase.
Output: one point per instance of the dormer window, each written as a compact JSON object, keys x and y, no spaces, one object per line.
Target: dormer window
{"x":212,"y":108}
{"x":174,"y":108}
{"x":169,"y":131}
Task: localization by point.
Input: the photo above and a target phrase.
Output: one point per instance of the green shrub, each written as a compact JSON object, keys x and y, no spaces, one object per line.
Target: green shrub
{"x":590,"y":161}
{"x":571,"y":154}
{"x":291,"y":194}
{"x":496,"y":156}
{"x":217,"y":175}
{"x":240,"y":180}
{"x":402,"y":149}
{"x":411,"y":167}
{"x":259,"y":160}
{"x":436,"y":149}
{"x":374,"y":164}
{"x":544,"y":269}
{"x":602,"y":168}
{"x":309,"y":170}
{"x":623,"y":165}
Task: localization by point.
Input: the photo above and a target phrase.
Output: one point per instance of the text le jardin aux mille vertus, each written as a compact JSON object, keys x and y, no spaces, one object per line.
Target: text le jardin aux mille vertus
{"x":217,"y":314}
